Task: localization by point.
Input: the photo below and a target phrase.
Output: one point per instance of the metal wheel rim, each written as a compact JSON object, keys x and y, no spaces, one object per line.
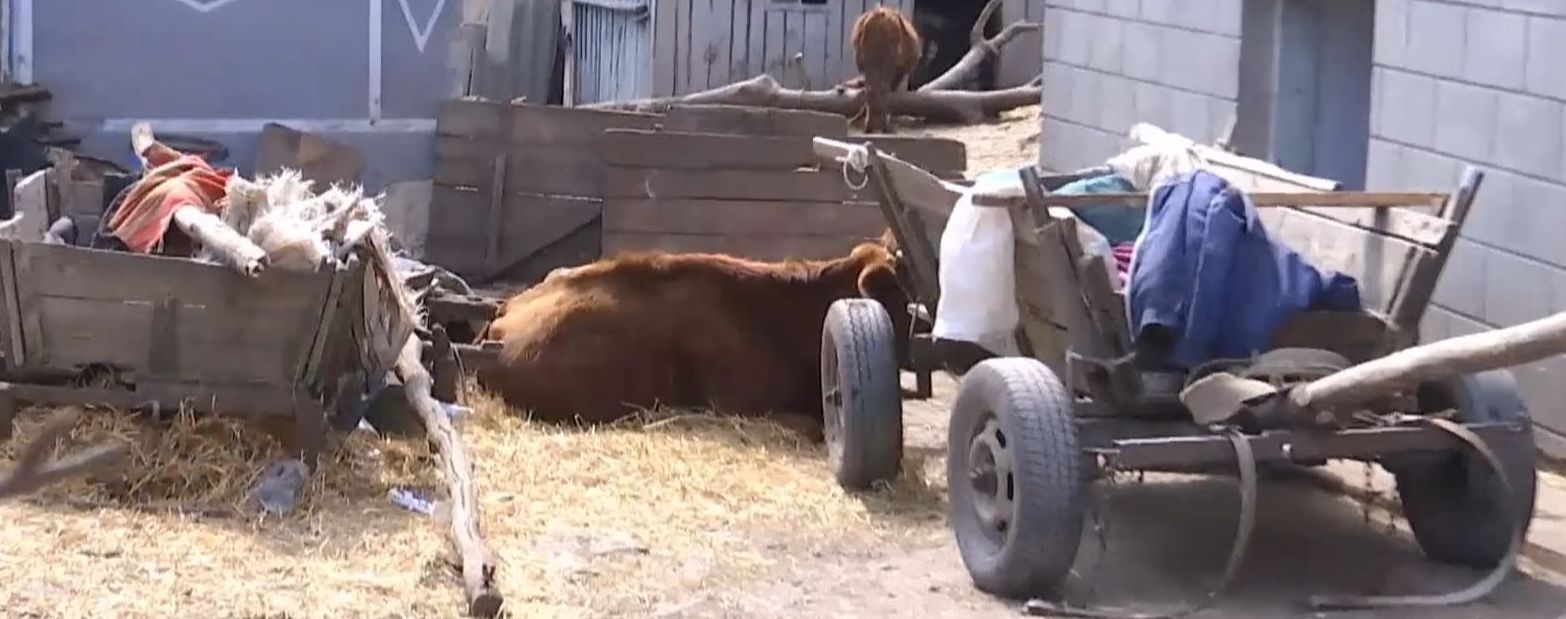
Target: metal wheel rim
{"x":832,"y":405}
{"x":991,"y":480}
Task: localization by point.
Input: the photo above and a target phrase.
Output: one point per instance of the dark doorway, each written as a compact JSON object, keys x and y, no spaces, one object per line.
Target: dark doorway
{"x":944,"y":26}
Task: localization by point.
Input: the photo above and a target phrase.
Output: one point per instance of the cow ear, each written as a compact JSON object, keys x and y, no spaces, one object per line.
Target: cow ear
{"x":878,"y":281}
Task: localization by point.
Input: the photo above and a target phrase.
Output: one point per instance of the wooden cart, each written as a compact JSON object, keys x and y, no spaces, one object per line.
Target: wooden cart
{"x":90,"y":327}
{"x":1028,"y":433}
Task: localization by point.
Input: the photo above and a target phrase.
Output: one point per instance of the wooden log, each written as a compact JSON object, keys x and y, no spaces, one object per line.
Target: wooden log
{"x":1406,"y":369}
{"x":764,"y":91}
{"x":964,"y":71}
{"x":227,"y":244}
{"x":477,"y":564}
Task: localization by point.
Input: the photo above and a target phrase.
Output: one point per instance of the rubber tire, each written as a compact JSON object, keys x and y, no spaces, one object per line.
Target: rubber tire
{"x":1034,"y":409}
{"x":869,"y":439}
{"x":1453,"y":502}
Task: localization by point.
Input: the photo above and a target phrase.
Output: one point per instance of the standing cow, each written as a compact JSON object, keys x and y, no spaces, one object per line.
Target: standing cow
{"x":886,"y":51}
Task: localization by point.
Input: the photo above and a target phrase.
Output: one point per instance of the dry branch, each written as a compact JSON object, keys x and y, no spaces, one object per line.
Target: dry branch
{"x":477,"y":564}
{"x":764,"y":91}
{"x":1491,"y":350}
{"x":981,"y":49}
{"x":34,"y":471}
{"x":228,"y":244}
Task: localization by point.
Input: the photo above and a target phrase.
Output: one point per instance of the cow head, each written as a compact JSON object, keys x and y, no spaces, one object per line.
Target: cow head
{"x":880,"y":279}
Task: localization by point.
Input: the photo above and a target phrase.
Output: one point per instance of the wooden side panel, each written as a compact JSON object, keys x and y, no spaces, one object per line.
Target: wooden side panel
{"x":704,"y":39}
{"x":726,"y":217}
{"x":165,"y":317}
{"x":753,"y":121}
{"x":755,"y":247}
{"x":738,"y":67}
{"x":532,"y":124}
{"x":792,"y":74}
{"x":786,"y":186}
{"x":815,"y":49}
{"x":775,"y":54}
{"x":1376,"y":261}
{"x":527,"y":225}
{"x":756,"y":38}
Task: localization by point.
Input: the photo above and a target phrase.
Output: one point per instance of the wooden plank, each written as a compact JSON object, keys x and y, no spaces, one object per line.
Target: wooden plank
{"x":319,"y":159}
{"x":738,"y":67}
{"x":533,"y":124}
{"x":931,"y":153}
{"x":834,"y":43}
{"x":815,"y":49}
{"x":1334,"y":199}
{"x":703,"y":37}
{"x":564,"y":171}
{"x":702,"y":151}
{"x":792,"y":74}
{"x":1407,"y":224}
{"x":753,"y":246}
{"x":786,"y":186}
{"x":774,"y":64}
{"x":717,"y":60}
{"x":682,"y":54}
{"x":531,"y":223}
{"x":13,"y":312}
{"x":581,"y":246}
{"x":1419,"y":284}
{"x":664,"y":48}
{"x":1376,"y":261}
{"x":738,"y":217}
{"x":756,"y":38}
{"x":497,"y":198}
{"x":753,"y":121}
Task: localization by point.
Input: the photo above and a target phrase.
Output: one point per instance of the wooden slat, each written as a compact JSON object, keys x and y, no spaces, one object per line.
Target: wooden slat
{"x":936,"y":155}
{"x":755,"y":247}
{"x":793,"y":72}
{"x":533,"y":124}
{"x":580,"y":247}
{"x":702,"y":151}
{"x":756,"y":38}
{"x":531,"y":223}
{"x":682,"y":54}
{"x":722,"y":27}
{"x":1334,"y":199}
{"x":1376,"y":261}
{"x":816,"y":50}
{"x":704,"y":30}
{"x":736,"y":217}
{"x":664,"y":48}
{"x":834,"y":43}
{"x":784,"y":186}
{"x":774,"y":63}
{"x":753,"y":121}
{"x":739,"y":41}
{"x":566,"y":170}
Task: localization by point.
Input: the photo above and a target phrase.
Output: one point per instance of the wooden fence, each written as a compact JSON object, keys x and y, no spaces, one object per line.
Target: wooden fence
{"x":522,"y":189}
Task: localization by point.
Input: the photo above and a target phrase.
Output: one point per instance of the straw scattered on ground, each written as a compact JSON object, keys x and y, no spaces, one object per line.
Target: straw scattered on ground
{"x":619,"y":520}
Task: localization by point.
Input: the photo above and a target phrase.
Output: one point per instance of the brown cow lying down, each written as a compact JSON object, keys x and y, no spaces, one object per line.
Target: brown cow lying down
{"x":684,"y":330}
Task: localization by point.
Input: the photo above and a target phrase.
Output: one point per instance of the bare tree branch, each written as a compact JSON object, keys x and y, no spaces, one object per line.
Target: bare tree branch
{"x":763,"y":91}
{"x":33,"y":471}
{"x":963,"y":72}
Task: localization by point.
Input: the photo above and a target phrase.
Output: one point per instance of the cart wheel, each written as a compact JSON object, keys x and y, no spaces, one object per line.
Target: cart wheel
{"x":1013,"y":475}
{"x":862,"y":401}
{"x":1454,"y":502}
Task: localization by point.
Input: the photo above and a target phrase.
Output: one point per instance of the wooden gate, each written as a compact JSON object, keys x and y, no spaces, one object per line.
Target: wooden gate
{"x":608,"y":50}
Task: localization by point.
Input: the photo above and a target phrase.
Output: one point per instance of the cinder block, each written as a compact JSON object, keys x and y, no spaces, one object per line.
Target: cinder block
{"x":1427,"y":171}
{"x":1384,"y":166}
{"x":1407,"y":101}
{"x":1104,"y":53}
{"x":1458,"y":325}
{"x":1554,"y":8}
{"x":1131,"y":9}
{"x":1153,"y":104}
{"x":1496,"y":48}
{"x":1057,"y":88}
{"x":1465,"y":120}
{"x":1192,"y":118}
{"x":1117,"y":103}
{"x":1076,"y":36}
{"x":1193,"y":14}
{"x":1534,"y":219}
{"x":1516,"y":290}
{"x":1435,"y":37}
{"x":1227,"y":16}
{"x":1140,"y":56}
{"x":1159,"y":11}
{"x":1529,"y":134}
{"x":1462,"y":283}
{"x":1052,"y":34}
{"x":1391,"y":32}
{"x":1222,"y":68}
{"x":1489,"y":219}
{"x":1084,"y":87}
{"x":1433,"y":326}
{"x":1220,"y":112}
{"x":1546,"y":71}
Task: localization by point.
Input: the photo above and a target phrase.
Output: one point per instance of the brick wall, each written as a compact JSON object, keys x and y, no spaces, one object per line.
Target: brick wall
{"x":1111,"y":63}
{"x":1483,"y":82}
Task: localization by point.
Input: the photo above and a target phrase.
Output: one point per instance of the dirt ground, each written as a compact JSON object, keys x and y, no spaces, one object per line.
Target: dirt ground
{"x":667,"y":516}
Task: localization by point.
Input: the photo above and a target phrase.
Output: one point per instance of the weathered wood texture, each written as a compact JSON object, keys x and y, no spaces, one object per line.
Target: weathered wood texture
{"x":700,"y":44}
{"x":518,"y":188}
{"x":756,"y":196}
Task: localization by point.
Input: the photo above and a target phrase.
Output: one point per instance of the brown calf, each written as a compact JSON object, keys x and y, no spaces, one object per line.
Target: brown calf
{"x":886,"y":50}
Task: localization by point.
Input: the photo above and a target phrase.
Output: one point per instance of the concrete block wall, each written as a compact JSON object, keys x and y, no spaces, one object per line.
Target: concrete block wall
{"x":1111,"y":63}
{"x":1483,"y":82}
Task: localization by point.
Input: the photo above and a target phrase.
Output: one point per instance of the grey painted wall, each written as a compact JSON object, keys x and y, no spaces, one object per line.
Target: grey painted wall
{"x":1484,"y":82}
{"x":216,"y":68}
{"x":1111,"y":63}
{"x":1454,"y":82}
